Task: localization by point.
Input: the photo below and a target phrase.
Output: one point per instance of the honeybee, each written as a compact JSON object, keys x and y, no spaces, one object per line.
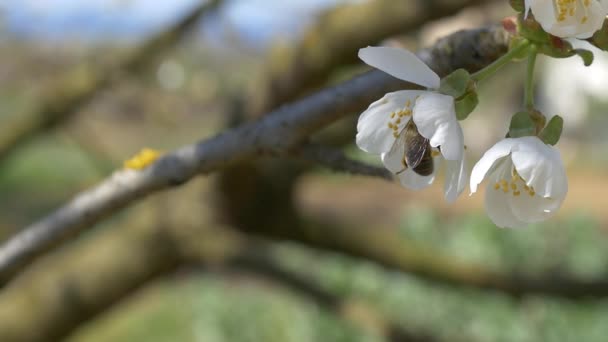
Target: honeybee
{"x":418,"y":153}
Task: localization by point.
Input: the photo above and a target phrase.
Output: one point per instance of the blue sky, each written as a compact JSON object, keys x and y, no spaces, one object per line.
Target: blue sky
{"x":111,"y":19}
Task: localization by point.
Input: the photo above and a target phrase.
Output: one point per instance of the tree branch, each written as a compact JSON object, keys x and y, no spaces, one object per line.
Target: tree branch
{"x":388,"y":248}
{"x":335,"y":159}
{"x":334,"y":40}
{"x":59,"y":294}
{"x":275,"y":134}
{"x":71,"y":287}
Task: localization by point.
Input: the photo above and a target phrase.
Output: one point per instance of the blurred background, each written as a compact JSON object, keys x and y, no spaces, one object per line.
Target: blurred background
{"x":316,"y":255}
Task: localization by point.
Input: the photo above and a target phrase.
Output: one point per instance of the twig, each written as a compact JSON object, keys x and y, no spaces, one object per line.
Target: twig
{"x":274,"y":134}
{"x":336,"y":160}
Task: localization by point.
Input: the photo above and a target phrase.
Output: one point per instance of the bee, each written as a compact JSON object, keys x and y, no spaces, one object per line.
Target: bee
{"x":418,"y":153}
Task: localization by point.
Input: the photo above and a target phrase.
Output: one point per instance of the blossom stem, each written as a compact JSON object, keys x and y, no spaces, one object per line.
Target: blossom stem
{"x":491,"y":69}
{"x":529,"y":86}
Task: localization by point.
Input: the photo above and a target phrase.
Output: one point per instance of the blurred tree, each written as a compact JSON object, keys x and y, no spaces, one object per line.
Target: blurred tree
{"x":75,"y":89}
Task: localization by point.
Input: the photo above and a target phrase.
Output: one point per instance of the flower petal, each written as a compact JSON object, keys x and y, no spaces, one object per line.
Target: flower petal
{"x":414,"y":181}
{"x":541,"y":167}
{"x":499,"y":210}
{"x":582,"y":24}
{"x":533,"y":208}
{"x":488,"y":160}
{"x":456,"y":177}
{"x":373,"y":133}
{"x":400,"y":63}
{"x":527,"y":6}
{"x":435,"y":117}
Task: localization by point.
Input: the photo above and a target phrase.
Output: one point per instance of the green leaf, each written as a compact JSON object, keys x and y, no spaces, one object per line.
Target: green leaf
{"x":456,"y":83}
{"x":551,"y":134}
{"x":530,"y":29}
{"x":518,"y":5}
{"x":586,"y":55}
{"x":600,"y":38}
{"x":466,"y":105}
{"x":521,"y":125}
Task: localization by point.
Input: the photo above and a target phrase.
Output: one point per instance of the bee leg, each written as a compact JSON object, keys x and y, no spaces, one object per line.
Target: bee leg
{"x":404,"y":163}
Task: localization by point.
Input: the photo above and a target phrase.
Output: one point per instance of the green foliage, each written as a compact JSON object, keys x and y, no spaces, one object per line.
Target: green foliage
{"x":456,"y":83}
{"x":551,"y":134}
{"x":521,"y":125}
{"x":205,"y":309}
{"x":466,"y":105}
{"x":600,"y":38}
{"x":518,"y":5}
{"x":586,"y":55}
{"x":210,"y":308}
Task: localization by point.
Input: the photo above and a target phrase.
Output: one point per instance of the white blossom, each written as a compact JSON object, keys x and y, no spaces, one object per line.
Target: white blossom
{"x":526,"y":181}
{"x":381,"y":128}
{"x":569,"y":18}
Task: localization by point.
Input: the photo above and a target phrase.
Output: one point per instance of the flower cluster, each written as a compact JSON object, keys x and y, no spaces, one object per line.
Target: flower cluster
{"x":413,"y":131}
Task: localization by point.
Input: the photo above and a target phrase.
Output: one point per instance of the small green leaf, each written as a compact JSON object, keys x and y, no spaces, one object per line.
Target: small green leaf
{"x":551,"y":134}
{"x":456,"y":83}
{"x":586,"y":55}
{"x":600,"y":38}
{"x":518,"y":5}
{"x":530,"y":29}
{"x":466,"y":105}
{"x":521,"y":125}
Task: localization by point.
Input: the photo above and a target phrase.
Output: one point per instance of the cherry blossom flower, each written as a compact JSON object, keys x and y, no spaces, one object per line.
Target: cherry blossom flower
{"x":526,"y":181}
{"x":382,"y":127}
{"x":569,"y":18}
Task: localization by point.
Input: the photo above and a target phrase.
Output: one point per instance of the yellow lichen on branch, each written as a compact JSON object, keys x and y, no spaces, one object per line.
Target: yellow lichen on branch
{"x":143,"y":159}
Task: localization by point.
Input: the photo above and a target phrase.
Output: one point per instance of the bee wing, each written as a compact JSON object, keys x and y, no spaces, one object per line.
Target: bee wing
{"x":427,"y":165}
{"x":416,"y":145}
{"x":399,"y":149}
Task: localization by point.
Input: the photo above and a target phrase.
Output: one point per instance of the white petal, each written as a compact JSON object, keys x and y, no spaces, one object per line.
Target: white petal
{"x":400,"y":63}
{"x":456,"y":177}
{"x":540,"y":166}
{"x":488,"y":160}
{"x":373,"y":133}
{"x":435,"y":117}
{"x":527,"y":5}
{"x":533,"y":208}
{"x":414,"y":181}
{"x":499,"y":210}
{"x":604,"y":4}
{"x":573,"y":26}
